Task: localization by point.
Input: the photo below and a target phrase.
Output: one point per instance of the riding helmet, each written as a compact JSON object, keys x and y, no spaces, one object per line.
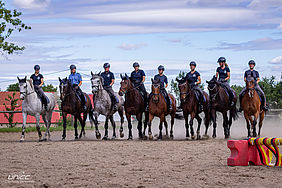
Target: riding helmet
{"x":221,"y":59}
{"x":36,"y":67}
{"x":136,"y":64}
{"x":72,"y":67}
{"x":106,"y":65}
{"x":161,"y":68}
{"x":252,"y":62}
{"x":193,"y":63}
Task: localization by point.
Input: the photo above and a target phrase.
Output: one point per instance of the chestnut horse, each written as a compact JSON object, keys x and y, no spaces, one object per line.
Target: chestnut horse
{"x":134,"y":105}
{"x":158,"y":107}
{"x":251,"y":105}
{"x":219,"y":101}
{"x":190,"y":105}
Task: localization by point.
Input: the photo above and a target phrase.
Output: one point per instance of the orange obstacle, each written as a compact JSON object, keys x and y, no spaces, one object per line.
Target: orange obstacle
{"x":254,"y":151}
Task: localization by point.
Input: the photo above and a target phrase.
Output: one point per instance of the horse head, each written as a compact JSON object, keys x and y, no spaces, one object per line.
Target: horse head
{"x":64,"y":85}
{"x":96,"y":82}
{"x":213,"y":85}
{"x":23,"y":87}
{"x":183,"y":86}
{"x":250,"y":85}
{"x":156,"y":89}
{"x":125,"y":84}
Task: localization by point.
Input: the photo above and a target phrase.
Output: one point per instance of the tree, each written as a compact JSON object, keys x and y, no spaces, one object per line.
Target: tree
{"x":237,"y":89}
{"x":11,"y":107}
{"x":49,"y":88}
{"x":13,"y":87}
{"x":10,"y":22}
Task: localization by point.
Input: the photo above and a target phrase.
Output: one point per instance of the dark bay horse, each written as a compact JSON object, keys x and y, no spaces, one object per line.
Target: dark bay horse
{"x":134,"y":105}
{"x":219,"y":101}
{"x":158,"y":107}
{"x":251,"y":105}
{"x":190,"y":105}
{"x":72,"y":105}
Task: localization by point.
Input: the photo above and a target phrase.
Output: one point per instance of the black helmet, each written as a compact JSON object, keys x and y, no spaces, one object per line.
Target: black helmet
{"x":72,"y":67}
{"x":221,"y":59}
{"x":106,"y":65}
{"x":36,"y":67}
{"x":161,"y":68}
{"x":193,"y":63}
{"x":252,"y":62}
{"x":135,"y":64}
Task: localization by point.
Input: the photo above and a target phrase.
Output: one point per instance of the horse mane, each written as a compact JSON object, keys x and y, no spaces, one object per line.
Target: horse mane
{"x":30,"y":82}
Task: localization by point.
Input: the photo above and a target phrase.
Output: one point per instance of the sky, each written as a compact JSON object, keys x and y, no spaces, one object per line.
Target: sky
{"x":89,"y":33}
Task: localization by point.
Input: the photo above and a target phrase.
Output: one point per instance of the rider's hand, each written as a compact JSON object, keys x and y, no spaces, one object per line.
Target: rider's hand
{"x":76,"y":87}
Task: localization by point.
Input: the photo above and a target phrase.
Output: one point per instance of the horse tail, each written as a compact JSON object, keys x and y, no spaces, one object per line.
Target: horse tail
{"x":234,"y":113}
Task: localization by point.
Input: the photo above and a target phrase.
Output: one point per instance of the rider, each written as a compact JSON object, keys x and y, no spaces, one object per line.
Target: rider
{"x":164,"y":84}
{"x":253,"y":73}
{"x":109,"y":80}
{"x":223,"y":75}
{"x":194,"y":80}
{"x":76,"y":81}
{"x":38,"y":81}
{"x":138,"y":78}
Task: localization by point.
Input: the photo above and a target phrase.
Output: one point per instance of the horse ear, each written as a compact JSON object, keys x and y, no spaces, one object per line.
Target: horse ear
{"x":177,"y":80}
{"x":99,"y":73}
{"x":92,"y":74}
{"x":18,"y":78}
{"x":25,"y":78}
{"x":207,"y":82}
{"x":152,"y":80}
{"x":126,"y":76}
{"x":60,"y":80}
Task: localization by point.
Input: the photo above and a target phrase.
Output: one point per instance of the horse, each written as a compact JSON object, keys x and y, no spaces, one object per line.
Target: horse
{"x":103,"y":105}
{"x":71,"y":104}
{"x":134,"y":105}
{"x":158,"y":107}
{"x":219,"y":101}
{"x":190,"y":105}
{"x":32,"y":105}
{"x":251,"y":106}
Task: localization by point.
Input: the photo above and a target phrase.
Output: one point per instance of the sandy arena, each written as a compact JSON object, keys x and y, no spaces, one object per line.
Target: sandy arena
{"x":122,"y":163}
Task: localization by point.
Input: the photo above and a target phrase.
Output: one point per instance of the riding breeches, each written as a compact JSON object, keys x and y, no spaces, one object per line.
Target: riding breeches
{"x":141,"y":88}
{"x":167,"y":98}
{"x":229,"y":90}
{"x":41,"y":94}
{"x":80,"y":94}
{"x":200,"y":92}
{"x":111,"y":92}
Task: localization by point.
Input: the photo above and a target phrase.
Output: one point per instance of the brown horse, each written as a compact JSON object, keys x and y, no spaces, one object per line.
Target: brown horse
{"x":190,"y":105}
{"x":134,"y":105}
{"x":251,"y":105}
{"x":72,"y":105}
{"x":219,"y":101}
{"x":158,"y":107}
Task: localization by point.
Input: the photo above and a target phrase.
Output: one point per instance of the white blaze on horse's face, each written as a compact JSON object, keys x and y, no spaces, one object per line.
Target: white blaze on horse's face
{"x":95,"y":81}
{"x":23,"y":90}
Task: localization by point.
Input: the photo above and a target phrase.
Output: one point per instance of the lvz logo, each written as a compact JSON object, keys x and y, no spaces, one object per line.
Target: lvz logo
{"x":20,"y":177}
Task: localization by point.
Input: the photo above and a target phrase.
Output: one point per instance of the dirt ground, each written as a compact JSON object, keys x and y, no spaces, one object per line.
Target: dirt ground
{"x":121,"y":163}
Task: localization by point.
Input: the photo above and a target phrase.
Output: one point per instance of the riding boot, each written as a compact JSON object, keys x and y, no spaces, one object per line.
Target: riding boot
{"x":114,"y":103}
{"x":169,"y":105}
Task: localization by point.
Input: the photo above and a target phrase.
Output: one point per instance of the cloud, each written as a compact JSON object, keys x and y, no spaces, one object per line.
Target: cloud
{"x":276,"y":61}
{"x":269,"y":4}
{"x":280,"y":26}
{"x":32,"y":4}
{"x":266,"y":43}
{"x":132,"y":46}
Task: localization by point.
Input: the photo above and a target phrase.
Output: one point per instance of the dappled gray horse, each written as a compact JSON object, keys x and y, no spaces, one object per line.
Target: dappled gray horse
{"x":103,"y":105}
{"x":33,"y":106}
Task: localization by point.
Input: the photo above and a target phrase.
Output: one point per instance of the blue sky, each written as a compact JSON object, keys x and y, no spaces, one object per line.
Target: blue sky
{"x":153,"y":32}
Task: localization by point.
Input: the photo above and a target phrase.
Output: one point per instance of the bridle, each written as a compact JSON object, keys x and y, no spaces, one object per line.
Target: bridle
{"x":26,"y":93}
{"x":213,"y":96}
{"x":64,"y":95}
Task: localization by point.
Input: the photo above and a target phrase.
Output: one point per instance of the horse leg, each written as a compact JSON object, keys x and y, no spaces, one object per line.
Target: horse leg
{"x":145,"y":123}
{"x":207,"y":123}
{"x":75,"y":128}
{"x":23,"y":126}
{"x":166,"y":128}
{"x":248,"y":123}
{"x":106,"y":129}
{"x":95,"y":119}
{"x":261,"y":117}
{"x":49,"y":118}
{"x":64,"y":114}
{"x":46,"y":125}
{"x":139,"y":126}
{"x":255,"y":124}
{"x":114,"y":127}
{"x":213,"y":117}
{"x":120,"y":112}
{"x":172,"y":116}
{"x":199,"y":119}
{"x":225,"y":124}
{"x":128,"y":117}
{"x":37,"y":116}
{"x":82,"y":122}
{"x":229,"y":122}
{"x":186,"y":124}
{"x":191,"y":125}
{"x":162,"y":119}
{"x":151,"y":117}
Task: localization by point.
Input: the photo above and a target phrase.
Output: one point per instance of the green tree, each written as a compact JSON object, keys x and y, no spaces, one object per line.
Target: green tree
{"x":49,"y":88}
{"x":10,"y":22}
{"x":237,"y":89}
{"x":11,"y":107}
{"x":13,"y":87}
{"x":174,"y":85}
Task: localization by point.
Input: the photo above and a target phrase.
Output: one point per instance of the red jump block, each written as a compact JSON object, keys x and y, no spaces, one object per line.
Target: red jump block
{"x":243,"y":154}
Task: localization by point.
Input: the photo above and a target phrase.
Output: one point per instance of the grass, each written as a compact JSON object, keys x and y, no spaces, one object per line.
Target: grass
{"x":42,"y":128}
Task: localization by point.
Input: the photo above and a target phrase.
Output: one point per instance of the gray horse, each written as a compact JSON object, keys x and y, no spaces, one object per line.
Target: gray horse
{"x":103,"y":105}
{"x":32,"y":105}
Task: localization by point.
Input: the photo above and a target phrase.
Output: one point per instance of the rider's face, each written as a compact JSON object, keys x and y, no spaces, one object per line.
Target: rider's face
{"x":252,"y":66}
{"x":37,"y":71}
{"x":136,"y":68}
{"x":221,"y":64}
{"x":73,"y":71}
{"x":161,"y":71}
{"x":107,"y":69}
{"x":192,"y":67}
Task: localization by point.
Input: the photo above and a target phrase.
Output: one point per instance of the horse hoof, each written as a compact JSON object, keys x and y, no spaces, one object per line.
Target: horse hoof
{"x":76,"y":138}
{"x":43,"y":140}
{"x":22,"y":139}
{"x":171,"y":137}
{"x":193,"y":137}
{"x":150,"y":136}
{"x":98,"y":135}
{"x":130,"y":138}
{"x":105,"y":138}
{"x":206,"y":136}
{"x":114,"y":137}
{"x":121,"y":134}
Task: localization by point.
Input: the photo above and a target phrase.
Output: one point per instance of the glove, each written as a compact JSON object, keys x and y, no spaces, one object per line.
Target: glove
{"x":76,"y":87}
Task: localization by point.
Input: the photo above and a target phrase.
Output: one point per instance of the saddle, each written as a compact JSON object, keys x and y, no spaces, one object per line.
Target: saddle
{"x":137,"y":87}
{"x":197,"y":94}
{"x":226,"y":91}
{"x":42,"y":98}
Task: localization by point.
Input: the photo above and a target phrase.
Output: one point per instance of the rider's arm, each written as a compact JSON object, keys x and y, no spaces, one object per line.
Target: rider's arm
{"x":199,"y":80}
{"x":166,"y":82}
{"x":258,"y":80}
{"x":216,"y":75}
{"x":143,"y":80}
{"x":80,"y":83}
{"x":228,"y":76}
{"x":80,"y":80}
{"x":112,"y":83}
{"x":42,"y":82}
